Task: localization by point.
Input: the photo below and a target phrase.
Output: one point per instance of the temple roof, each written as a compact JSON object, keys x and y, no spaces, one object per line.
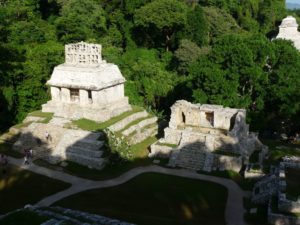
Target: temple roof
{"x":289,"y":21}
{"x":85,"y":69}
{"x":94,"y":78}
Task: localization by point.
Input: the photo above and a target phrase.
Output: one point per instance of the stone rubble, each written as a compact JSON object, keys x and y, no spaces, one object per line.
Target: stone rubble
{"x":59,"y":215}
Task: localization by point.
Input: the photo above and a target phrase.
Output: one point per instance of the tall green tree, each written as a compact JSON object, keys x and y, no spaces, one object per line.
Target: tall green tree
{"x":162,"y":18}
{"x":80,"y":20}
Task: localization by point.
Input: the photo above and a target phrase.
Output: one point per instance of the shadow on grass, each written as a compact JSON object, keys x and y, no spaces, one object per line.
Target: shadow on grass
{"x":152,"y":199}
{"x":19,"y":187}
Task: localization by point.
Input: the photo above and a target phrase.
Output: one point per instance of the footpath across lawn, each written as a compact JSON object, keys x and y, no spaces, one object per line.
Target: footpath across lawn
{"x":156,"y":199}
{"x":20,"y":187}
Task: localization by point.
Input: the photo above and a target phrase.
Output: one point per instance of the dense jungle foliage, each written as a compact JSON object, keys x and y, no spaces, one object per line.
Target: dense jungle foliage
{"x":204,"y":51}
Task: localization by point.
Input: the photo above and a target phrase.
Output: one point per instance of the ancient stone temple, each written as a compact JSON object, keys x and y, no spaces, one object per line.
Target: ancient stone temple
{"x":198,"y":131}
{"x":85,"y":86}
{"x":288,"y":30}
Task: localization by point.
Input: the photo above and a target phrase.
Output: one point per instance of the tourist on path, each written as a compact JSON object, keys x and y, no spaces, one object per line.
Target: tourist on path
{"x":4,"y":162}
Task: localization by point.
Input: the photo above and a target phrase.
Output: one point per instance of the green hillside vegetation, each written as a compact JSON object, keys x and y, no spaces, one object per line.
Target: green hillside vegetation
{"x":204,"y":51}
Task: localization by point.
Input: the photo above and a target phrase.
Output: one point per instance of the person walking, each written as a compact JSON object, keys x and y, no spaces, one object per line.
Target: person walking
{"x":4,"y":162}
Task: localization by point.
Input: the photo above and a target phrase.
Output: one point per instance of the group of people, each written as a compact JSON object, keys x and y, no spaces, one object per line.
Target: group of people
{"x":28,"y":153}
{"x":4,"y":163}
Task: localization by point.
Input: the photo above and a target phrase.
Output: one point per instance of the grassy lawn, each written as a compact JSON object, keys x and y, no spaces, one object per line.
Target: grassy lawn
{"x":23,"y":217}
{"x":245,"y":184}
{"x":167,"y":144}
{"x":293,"y":183}
{"x":91,"y":125}
{"x":39,"y":113}
{"x":156,"y":199}
{"x":20,"y":187}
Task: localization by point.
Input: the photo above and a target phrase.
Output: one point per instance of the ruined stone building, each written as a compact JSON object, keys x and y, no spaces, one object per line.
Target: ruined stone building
{"x":85,"y":86}
{"x":200,"y":130}
{"x":288,"y":30}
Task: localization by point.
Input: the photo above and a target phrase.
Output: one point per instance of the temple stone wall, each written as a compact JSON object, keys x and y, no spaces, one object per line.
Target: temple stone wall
{"x":65,"y":95}
{"x":86,"y":86}
{"x":288,"y":30}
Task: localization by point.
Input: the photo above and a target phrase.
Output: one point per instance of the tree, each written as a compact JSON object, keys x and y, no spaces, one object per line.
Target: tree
{"x":80,"y":20}
{"x":197,"y":26}
{"x":162,"y":16}
{"x":187,"y":53}
{"x":148,"y":80}
{"x":220,"y":22}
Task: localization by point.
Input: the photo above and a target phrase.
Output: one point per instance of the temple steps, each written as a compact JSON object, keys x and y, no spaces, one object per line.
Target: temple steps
{"x":91,"y":162}
{"x":142,"y":135}
{"x":140,"y":125}
{"x":85,"y":151}
{"x":190,"y":156}
{"x":89,"y":144}
{"x":126,"y":121}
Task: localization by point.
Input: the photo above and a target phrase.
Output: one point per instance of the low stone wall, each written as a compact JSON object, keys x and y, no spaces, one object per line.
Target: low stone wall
{"x":254,"y":175}
{"x":123,"y":123}
{"x":160,"y":151}
{"x":172,"y":136}
{"x":287,"y":205}
{"x":280,"y":219}
{"x":228,"y":162}
{"x":139,"y":125}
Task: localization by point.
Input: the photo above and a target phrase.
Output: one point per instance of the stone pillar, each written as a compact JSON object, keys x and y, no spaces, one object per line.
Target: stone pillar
{"x":65,"y":95}
{"x":55,"y":94}
{"x":83,"y":97}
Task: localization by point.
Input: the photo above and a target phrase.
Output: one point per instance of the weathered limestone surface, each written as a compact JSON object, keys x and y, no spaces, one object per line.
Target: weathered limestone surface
{"x":143,"y":134}
{"x":288,"y":30}
{"x":126,"y":121}
{"x":86,"y":86}
{"x":207,"y":128}
{"x":29,"y":119}
{"x":78,"y":146}
{"x":139,"y":126}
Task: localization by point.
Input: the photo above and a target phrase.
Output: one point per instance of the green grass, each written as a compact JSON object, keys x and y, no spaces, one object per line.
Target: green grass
{"x":156,"y":199}
{"x":167,"y":144}
{"x":23,"y":217}
{"x":20,"y":187}
{"x":245,"y":184}
{"x":6,"y":149}
{"x":293,"y":183}
{"x":91,"y":125}
{"x":21,"y":125}
{"x":135,"y":122}
{"x":140,"y":150}
{"x":47,"y":116}
{"x":276,"y":154}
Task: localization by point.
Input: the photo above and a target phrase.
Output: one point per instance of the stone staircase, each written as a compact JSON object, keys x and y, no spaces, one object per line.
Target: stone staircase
{"x":189,"y":156}
{"x":58,"y":215}
{"x":136,"y":127}
{"x":82,"y":147}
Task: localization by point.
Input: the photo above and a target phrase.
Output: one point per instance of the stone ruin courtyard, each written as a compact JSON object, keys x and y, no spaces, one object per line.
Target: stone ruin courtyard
{"x":89,"y":115}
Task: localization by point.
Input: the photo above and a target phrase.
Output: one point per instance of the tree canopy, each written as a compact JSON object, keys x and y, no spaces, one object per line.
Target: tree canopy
{"x":205,"y":51}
